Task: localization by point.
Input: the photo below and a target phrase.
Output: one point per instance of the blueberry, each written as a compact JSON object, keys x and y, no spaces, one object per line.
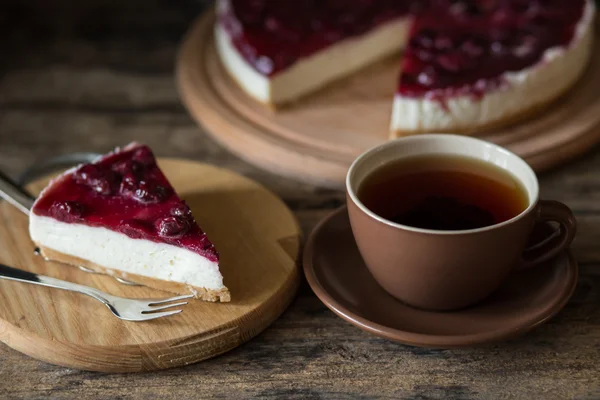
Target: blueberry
{"x":150,"y":193}
{"x":98,"y":179}
{"x":173,"y":227}
{"x":181,"y":210}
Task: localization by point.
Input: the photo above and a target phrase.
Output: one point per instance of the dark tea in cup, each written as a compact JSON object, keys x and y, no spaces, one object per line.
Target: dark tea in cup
{"x":443,"y":192}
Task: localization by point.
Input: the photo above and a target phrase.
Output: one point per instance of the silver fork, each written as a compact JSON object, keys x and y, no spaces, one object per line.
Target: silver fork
{"x":126,"y":309}
{"x":15,"y":194}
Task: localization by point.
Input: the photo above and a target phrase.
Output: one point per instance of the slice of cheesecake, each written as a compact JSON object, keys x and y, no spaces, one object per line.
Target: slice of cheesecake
{"x":120,"y":215}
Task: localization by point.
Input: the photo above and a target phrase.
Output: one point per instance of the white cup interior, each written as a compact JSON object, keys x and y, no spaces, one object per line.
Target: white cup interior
{"x":432,"y":144}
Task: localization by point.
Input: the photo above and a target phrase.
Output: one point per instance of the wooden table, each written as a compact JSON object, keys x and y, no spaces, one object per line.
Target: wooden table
{"x":94,"y":75}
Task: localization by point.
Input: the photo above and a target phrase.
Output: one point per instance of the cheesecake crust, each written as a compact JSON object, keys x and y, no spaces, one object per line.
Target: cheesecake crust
{"x":204,"y":294}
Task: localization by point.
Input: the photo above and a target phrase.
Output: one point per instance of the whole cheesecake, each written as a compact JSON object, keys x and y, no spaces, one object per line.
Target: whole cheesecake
{"x":467,"y":64}
{"x":120,"y":216}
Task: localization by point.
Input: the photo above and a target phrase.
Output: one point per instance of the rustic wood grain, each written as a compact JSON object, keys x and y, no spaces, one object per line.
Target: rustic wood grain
{"x":87,"y":76}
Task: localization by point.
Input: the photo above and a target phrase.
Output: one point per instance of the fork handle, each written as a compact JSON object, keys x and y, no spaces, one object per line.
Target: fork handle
{"x":19,"y":275}
{"x":15,"y":194}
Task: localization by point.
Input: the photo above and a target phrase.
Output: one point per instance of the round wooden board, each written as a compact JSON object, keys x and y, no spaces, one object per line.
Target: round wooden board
{"x":317,"y":138}
{"x":259,"y":242}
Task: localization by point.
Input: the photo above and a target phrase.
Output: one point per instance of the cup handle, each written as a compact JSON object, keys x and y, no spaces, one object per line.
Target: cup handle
{"x":549,"y":210}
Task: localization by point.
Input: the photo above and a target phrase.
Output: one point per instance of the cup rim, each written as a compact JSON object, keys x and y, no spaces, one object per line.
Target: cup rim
{"x":441,"y":136}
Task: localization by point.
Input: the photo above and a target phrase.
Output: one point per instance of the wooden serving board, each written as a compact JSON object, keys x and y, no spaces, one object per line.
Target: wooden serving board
{"x":317,"y":138}
{"x":259,"y":242}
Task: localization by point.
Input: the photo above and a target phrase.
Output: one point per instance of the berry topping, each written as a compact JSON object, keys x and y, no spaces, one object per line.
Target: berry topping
{"x":136,"y":228}
{"x":67,"y":211}
{"x":498,"y":49}
{"x":424,"y":39}
{"x":129,"y":182}
{"x":465,"y":9}
{"x":443,"y":42}
{"x":284,"y":32}
{"x":525,"y":45}
{"x":250,"y":12}
{"x":464,"y":47}
{"x":454,"y":62}
{"x":485,"y":38}
{"x":428,"y":77}
{"x":103,"y":181}
{"x":126,"y":167}
{"x":181,"y":210}
{"x":473,"y":47}
{"x":134,"y":183}
{"x":144,"y":156}
{"x":172,"y":226}
{"x":142,"y":204}
{"x":424,"y":55}
{"x":148,"y":192}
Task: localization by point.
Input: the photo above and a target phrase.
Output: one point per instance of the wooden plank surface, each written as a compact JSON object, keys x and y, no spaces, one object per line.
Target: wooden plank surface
{"x":87,"y":76}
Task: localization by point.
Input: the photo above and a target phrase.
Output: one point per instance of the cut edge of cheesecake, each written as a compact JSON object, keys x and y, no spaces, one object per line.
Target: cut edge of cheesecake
{"x":285,"y":87}
{"x":524,"y":93}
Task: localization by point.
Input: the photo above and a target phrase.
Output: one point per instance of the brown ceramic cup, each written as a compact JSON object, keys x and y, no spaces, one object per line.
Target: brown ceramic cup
{"x":446,"y":270}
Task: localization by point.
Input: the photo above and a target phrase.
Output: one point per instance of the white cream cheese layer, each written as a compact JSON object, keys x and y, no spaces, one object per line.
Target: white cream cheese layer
{"x":311,"y":73}
{"x":117,"y":251}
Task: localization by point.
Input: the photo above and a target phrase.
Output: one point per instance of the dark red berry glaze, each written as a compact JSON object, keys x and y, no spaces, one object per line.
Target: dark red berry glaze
{"x":456,"y":46}
{"x":126,"y":192}
{"x":273,"y":34}
{"x":465,"y":47}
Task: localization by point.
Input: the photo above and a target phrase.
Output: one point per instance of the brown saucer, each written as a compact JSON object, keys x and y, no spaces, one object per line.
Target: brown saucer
{"x":335,"y":271}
